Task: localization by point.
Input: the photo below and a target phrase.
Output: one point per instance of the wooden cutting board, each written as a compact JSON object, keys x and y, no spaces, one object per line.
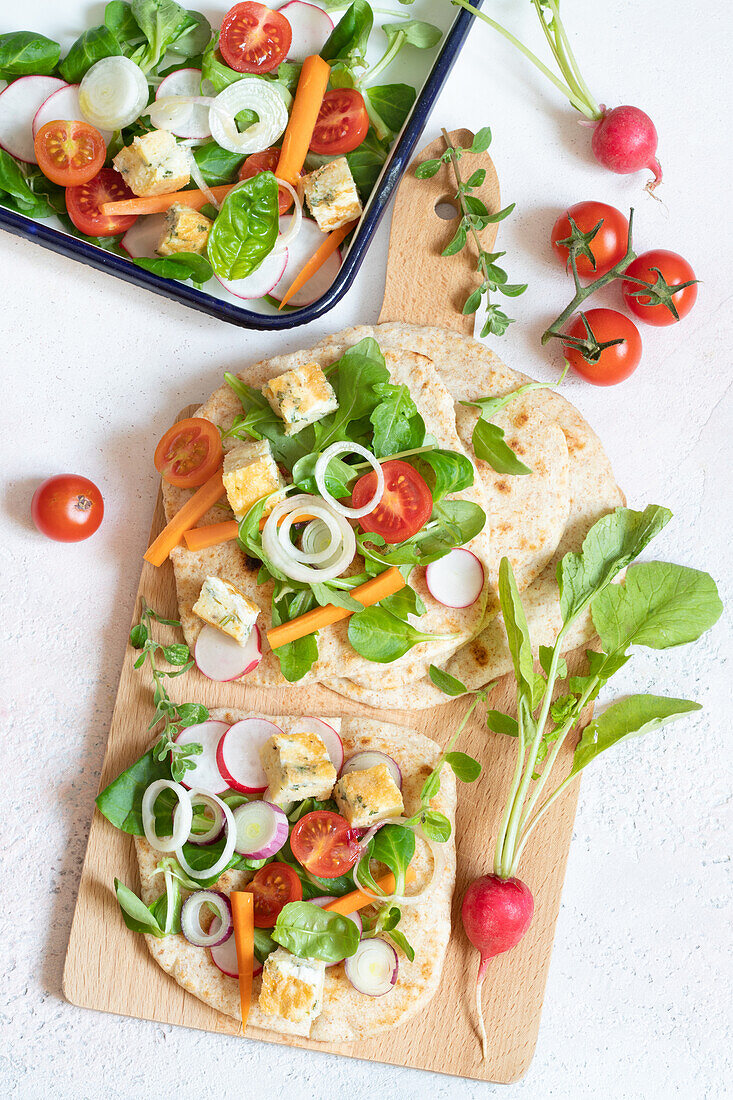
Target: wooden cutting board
{"x":109,"y":968}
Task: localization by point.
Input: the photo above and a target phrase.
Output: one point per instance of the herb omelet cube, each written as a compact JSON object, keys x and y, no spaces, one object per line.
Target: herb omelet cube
{"x":300,"y":396}
{"x":297,"y":766}
{"x":331,"y":195}
{"x":154,"y":164}
{"x":292,"y":991}
{"x":250,"y":472}
{"x":223,"y":606}
{"x":368,"y":796}
{"x":186,"y":230}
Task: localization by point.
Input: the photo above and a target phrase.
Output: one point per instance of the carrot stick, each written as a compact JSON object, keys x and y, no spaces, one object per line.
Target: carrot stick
{"x":371,"y":592}
{"x":200,"y":538}
{"x":197,"y":506}
{"x":319,"y":257}
{"x":244,"y":941}
{"x":306,"y":105}
{"x":350,"y":903}
{"x":158,"y":204}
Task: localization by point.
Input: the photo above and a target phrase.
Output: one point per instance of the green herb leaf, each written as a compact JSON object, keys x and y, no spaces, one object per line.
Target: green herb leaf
{"x":394,"y":846}
{"x":135,"y":912}
{"x":348,"y":39}
{"x":435,"y":825}
{"x":246,"y":229}
{"x":464,"y":766}
{"x":397,"y":424}
{"x":138,"y":636}
{"x":428,"y":169}
{"x":630,"y":717}
{"x":183,"y":266}
{"x":499,"y":722}
{"x":515,"y":624}
{"x":482,"y":140}
{"x":490,"y":446}
{"x":445,"y":471}
{"x":298,"y":657}
{"x":448,"y":684}
{"x":25,"y":53}
{"x":313,"y":933}
{"x":121,"y":801}
{"x":393,"y":103}
{"x":379,"y":636}
{"x":92,"y":46}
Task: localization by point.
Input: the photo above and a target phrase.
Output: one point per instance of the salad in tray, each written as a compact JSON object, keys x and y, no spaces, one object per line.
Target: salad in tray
{"x":242,"y":153}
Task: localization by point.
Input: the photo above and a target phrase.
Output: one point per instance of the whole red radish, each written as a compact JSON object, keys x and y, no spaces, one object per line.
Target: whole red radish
{"x":625,"y":140}
{"x":496,"y":914}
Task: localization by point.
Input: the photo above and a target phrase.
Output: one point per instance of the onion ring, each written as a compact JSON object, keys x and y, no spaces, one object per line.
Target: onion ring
{"x":231,"y":838}
{"x":320,"y":475}
{"x":181,"y":821}
{"x":280,"y":552}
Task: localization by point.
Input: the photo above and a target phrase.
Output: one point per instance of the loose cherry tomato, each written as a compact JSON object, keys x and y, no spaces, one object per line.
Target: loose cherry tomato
{"x":189,"y":453}
{"x":69,"y":153}
{"x":324,"y":843}
{"x":405,"y":506}
{"x":266,"y":161}
{"x":83,"y":203}
{"x":607,"y":365}
{"x":342,"y":122}
{"x":254,"y":39}
{"x":607,"y":247}
{"x":665,"y":270}
{"x":67,"y":508}
{"x":273,"y":887}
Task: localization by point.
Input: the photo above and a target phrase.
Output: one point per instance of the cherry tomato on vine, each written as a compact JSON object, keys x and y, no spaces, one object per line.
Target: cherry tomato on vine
{"x":266,"y":161}
{"x":253,"y":38}
{"x":606,"y":247}
{"x":274,"y":886}
{"x":189,"y":452}
{"x":674,"y":271}
{"x":607,"y":346}
{"x":69,"y":153}
{"x":405,"y":506}
{"x":342,"y":122}
{"x":323,"y":843}
{"x":67,"y":508}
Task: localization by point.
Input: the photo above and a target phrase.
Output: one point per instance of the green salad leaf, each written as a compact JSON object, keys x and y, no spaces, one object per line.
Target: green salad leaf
{"x":392,"y":103}
{"x":118,"y":18}
{"x":630,"y":717}
{"x":182,"y":266}
{"x":218,"y":166}
{"x":310,"y":932}
{"x":121,"y":801}
{"x":348,"y":39}
{"x":380,"y":636}
{"x":91,"y":46}
{"x":246,"y":229}
{"x":25,"y":53}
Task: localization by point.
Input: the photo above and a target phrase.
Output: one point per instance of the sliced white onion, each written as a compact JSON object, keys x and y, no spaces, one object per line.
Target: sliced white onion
{"x":198,"y":178}
{"x":113,"y":93}
{"x":227,"y":853}
{"x":373,"y":968}
{"x":370,"y":758}
{"x":213,"y":832}
{"x":181,"y":820}
{"x":169,"y":111}
{"x":281,"y":553}
{"x":248,"y":94}
{"x":320,"y":473}
{"x":221,"y":926}
{"x":262,"y":829}
{"x":295,"y":222}
{"x":329,"y":528}
{"x":436,"y":851}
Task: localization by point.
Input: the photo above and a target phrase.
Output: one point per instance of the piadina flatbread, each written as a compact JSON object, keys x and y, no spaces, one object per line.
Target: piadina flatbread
{"x":347,"y":1014}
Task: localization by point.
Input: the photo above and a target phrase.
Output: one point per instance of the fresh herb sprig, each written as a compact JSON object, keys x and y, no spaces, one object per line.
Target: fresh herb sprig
{"x":474,"y":218}
{"x":174,"y":716}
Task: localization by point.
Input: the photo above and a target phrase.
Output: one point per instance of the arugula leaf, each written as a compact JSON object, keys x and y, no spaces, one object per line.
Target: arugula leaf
{"x":448,"y":684}
{"x":261,"y":422}
{"x":630,"y":717}
{"x":545,"y":654}
{"x":397,"y":424}
{"x":246,"y":229}
{"x":453,"y":523}
{"x":25,"y":53}
{"x":310,"y":932}
{"x":182,"y":266}
{"x":515,"y":624}
{"x":354,"y":377}
{"x":490,"y":445}
{"x":91,"y":46}
{"x":381,"y":637}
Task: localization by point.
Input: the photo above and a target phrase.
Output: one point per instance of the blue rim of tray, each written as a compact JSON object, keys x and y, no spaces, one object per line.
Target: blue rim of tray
{"x":397,"y":162}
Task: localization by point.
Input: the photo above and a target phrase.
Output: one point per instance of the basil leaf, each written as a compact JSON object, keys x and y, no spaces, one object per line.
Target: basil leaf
{"x":447,"y":472}
{"x":182,"y":266}
{"x":348,"y":39}
{"x":25,"y":53}
{"x":218,"y":166}
{"x":92,"y":46}
{"x":246,"y":229}
{"x":310,"y":932}
{"x":464,"y":766}
{"x":394,"y":846}
{"x":490,"y":446}
{"x":379,"y":636}
{"x":121,"y":801}
{"x":448,"y":684}
{"x":393,"y":103}
{"x":630,"y":717}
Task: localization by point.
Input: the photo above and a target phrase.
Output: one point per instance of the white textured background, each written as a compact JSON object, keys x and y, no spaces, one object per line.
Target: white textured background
{"x":638,"y":1001}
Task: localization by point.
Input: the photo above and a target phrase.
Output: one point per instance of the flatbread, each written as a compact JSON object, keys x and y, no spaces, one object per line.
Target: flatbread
{"x":347,"y":1015}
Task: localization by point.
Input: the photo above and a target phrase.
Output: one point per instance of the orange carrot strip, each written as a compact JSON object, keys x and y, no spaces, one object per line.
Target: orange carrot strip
{"x":200,"y":538}
{"x":197,"y":506}
{"x":319,"y":257}
{"x":371,"y":592}
{"x":158,"y":204}
{"x":312,"y":86}
{"x":350,"y":903}
{"x":244,"y":940}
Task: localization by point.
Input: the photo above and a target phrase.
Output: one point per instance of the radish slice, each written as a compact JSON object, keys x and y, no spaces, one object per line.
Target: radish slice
{"x":221,"y":926}
{"x":262,"y":829}
{"x":355,"y":918}
{"x":455,"y":580}
{"x":205,"y":772}
{"x":327,"y":734}
{"x":19,"y":104}
{"x":225,"y":957}
{"x":63,"y":104}
{"x":373,"y":969}
{"x":238,"y":754}
{"x":221,"y":658}
{"x":311,"y":27}
{"x":301,"y":250}
{"x":261,"y":281}
{"x":193,"y":120}
{"x":360,"y":761}
{"x":141,"y":239}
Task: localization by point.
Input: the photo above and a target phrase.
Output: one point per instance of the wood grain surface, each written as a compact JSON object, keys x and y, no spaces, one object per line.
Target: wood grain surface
{"x":109,"y":968}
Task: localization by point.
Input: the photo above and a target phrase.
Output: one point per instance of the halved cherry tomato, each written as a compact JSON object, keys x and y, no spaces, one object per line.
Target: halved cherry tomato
{"x":324,"y":843}
{"x":342,"y":122}
{"x":612,"y":364}
{"x":607,"y":247}
{"x":67,"y":508}
{"x":405,"y":506}
{"x":69,"y":153}
{"x":674,"y":270}
{"x":254,"y":39}
{"x":189,"y":452}
{"x":83,"y":203}
{"x":266,"y":161}
{"x":274,"y":886}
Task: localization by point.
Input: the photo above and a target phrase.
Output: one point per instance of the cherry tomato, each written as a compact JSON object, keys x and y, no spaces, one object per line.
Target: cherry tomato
{"x":69,"y":153}
{"x":613,"y":363}
{"x":253,"y":38}
{"x":607,"y":247}
{"x":189,"y":452}
{"x":266,"y":161}
{"x":674,"y":271}
{"x":342,"y":122}
{"x":405,"y":506}
{"x":324,"y":843}
{"x":67,"y":508}
{"x":83,"y":203}
{"x":273,"y":887}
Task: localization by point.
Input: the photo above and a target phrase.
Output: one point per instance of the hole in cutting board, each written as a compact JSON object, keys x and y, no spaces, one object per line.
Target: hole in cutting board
{"x":446,"y":209}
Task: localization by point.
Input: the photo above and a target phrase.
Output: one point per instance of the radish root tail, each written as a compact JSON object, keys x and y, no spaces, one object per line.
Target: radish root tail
{"x":481,"y":1025}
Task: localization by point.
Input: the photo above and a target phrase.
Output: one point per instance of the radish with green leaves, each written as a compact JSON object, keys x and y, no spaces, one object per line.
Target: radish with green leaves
{"x":659,"y":605}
